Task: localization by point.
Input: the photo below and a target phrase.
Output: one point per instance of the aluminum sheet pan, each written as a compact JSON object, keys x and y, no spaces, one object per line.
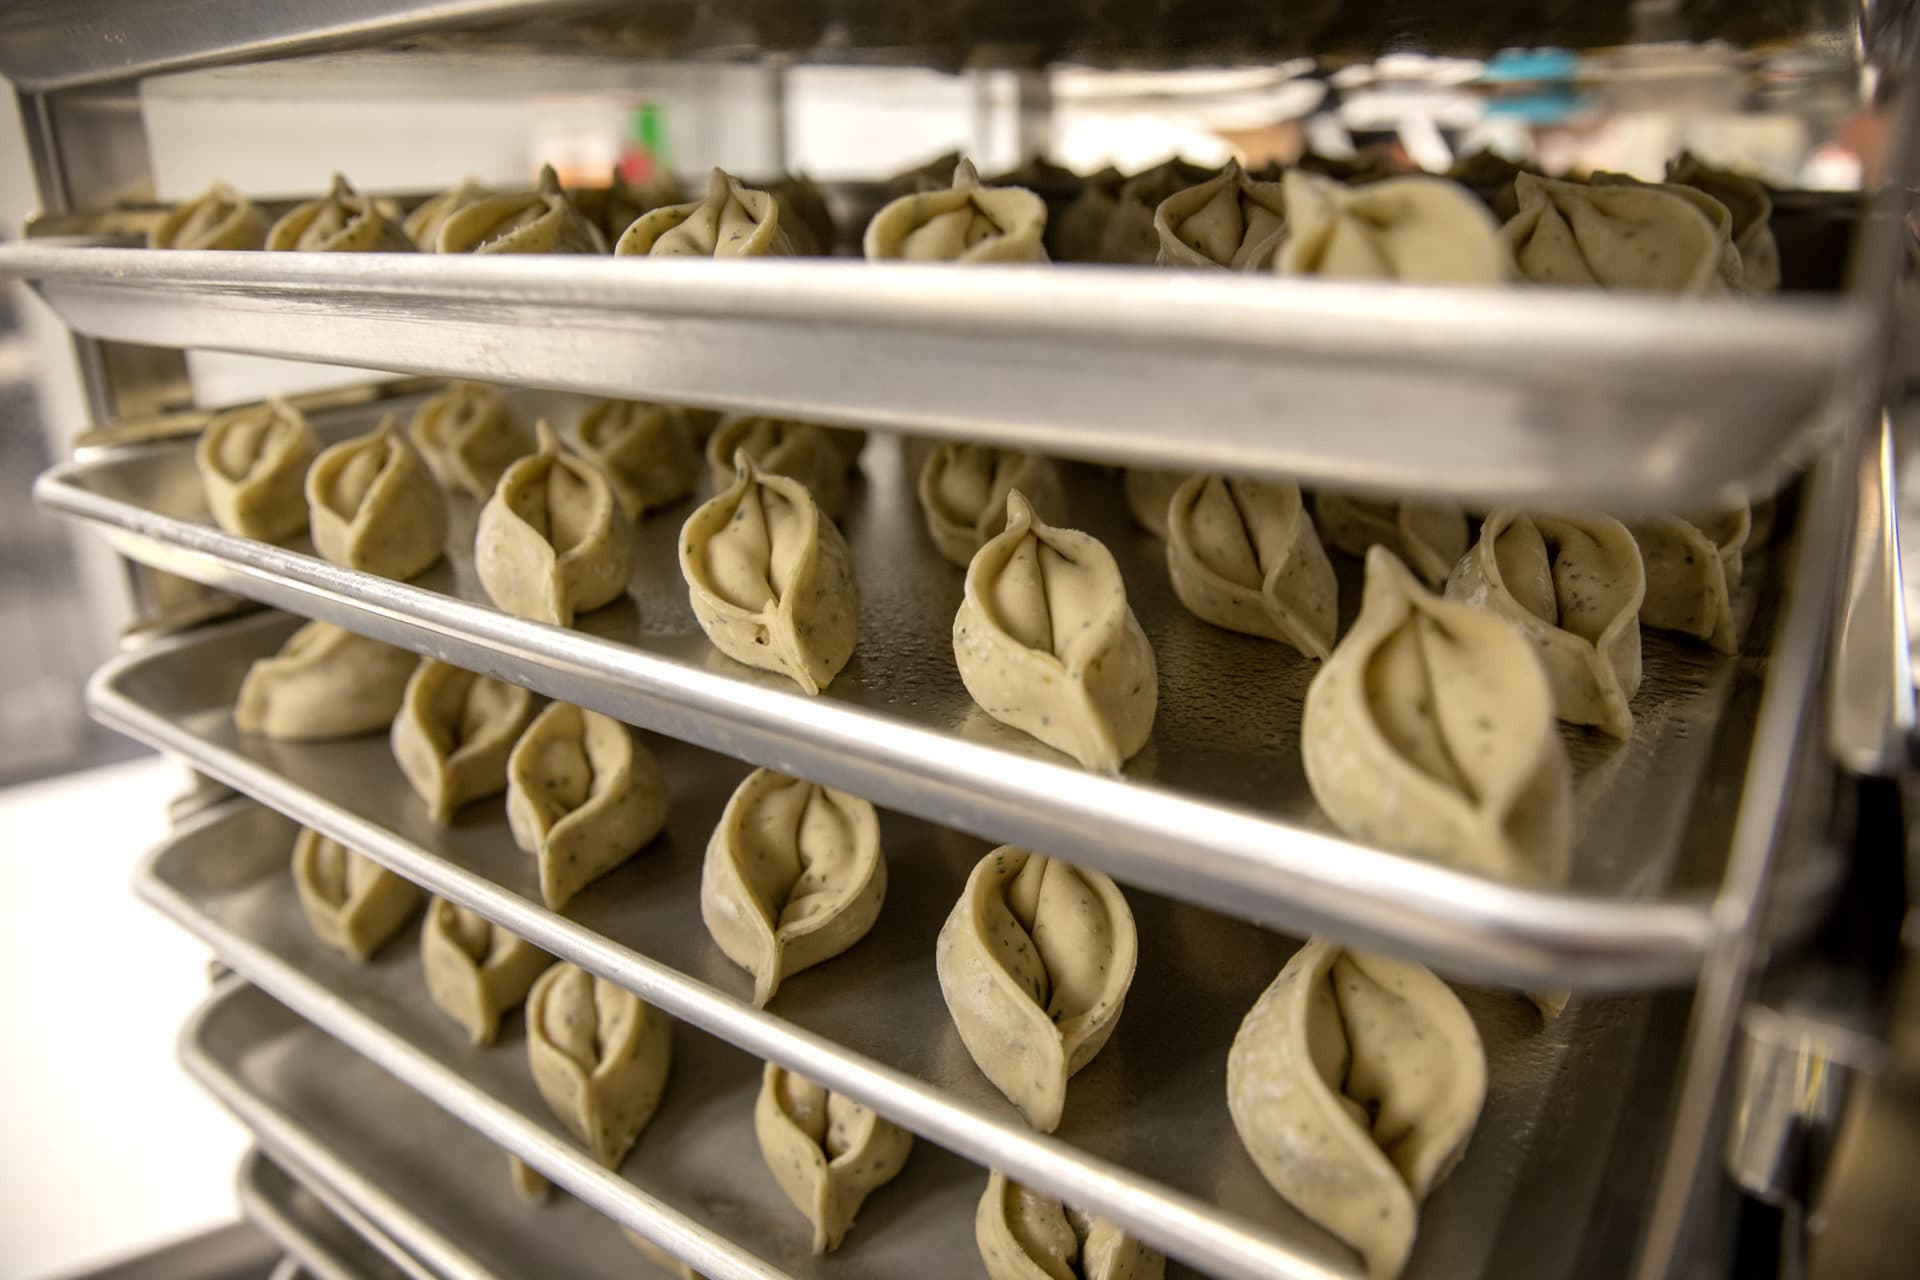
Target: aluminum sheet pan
{"x":1215,"y":810}
{"x":1146,"y":1138}
{"x":1487,"y":395}
{"x":321,"y":1241}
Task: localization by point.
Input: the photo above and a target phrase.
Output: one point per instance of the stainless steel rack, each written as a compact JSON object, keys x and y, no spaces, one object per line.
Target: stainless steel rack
{"x":316,"y":1236}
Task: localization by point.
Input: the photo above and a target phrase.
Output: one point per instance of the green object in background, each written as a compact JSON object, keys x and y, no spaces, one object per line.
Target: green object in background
{"x":645,"y":152}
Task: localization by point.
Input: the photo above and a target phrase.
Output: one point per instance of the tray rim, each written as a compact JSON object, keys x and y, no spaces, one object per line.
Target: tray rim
{"x":259,"y":1207}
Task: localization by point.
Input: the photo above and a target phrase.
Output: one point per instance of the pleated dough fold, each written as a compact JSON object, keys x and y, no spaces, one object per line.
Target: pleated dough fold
{"x":374,"y":507}
{"x":770,"y":578}
{"x":217,"y":218}
{"x":1243,"y":555}
{"x":541,"y":220}
{"x":1732,"y":271}
{"x":1422,"y":230}
{"x":1429,"y":537}
{"x":1355,"y":1082}
{"x":599,"y":1055}
{"x":793,"y":876}
{"x":352,"y":903}
{"x":342,"y":221}
{"x":1231,"y":220}
{"x":963,"y":492}
{"x":454,"y":733}
{"x":1751,"y":208}
{"x":1573,"y":585}
{"x":1568,"y":233}
{"x":966,"y":222}
{"x":1693,"y":567}
{"x":827,"y":1152}
{"x":1046,"y":643}
{"x":475,"y":970}
{"x":326,"y":682}
{"x":614,"y":207}
{"x":467,"y":437}
{"x":732,"y":221}
{"x":583,"y":796}
{"x":424,"y":223}
{"x":1034,"y":962}
{"x":646,"y":451}
{"x":253,"y":467}
{"x":779,"y":447}
{"x":552,"y":541}
{"x":1024,"y":1235}
{"x":1430,"y":731}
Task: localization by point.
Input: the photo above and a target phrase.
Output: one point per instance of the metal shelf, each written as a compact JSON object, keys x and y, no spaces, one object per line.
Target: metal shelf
{"x":300,"y":1220}
{"x":1486,"y":395}
{"x":1216,"y":811}
{"x":1146,"y":1139}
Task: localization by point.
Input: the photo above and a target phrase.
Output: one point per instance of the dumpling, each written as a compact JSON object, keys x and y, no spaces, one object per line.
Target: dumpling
{"x":1034,"y":961}
{"x":1243,"y":555}
{"x":1693,"y":567}
{"x":614,"y":207}
{"x":374,"y":507}
{"x":798,"y":450}
{"x":217,"y":218}
{"x":475,"y":969}
{"x":1568,"y":233}
{"x":542,"y":220}
{"x":1046,"y":643}
{"x":770,"y":578}
{"x":827,"y":1152}
{"x":1231,"y":220}
{"x":1023,"y":1235}
{"x":793,"y":877}
{"x":1148,"y":494}
{"x":467,"y":437}
{"x":352,"y":903}
{"x":342,"y":221}
{"x":1077,"y":235}
{"x":963,"y":494}
{"x":804,"y":215}
{"x":528,"y":1183}
{"x":663,"y":1261}
{"x":552,"y":541}
{"x":423,"y":224}
{"x":599,"y":1055}
{"x":733,"y":221}
{"x":1733,"y":273}
{"x":454,"y":733}
{"x":645,"y":450}
{"x":963,"y":223}
{"x":253,"y":467}
{"x":1430,"y":731}
{"x":1751,"y":209}
{"x":1128,"y":235}
{"x":1573,"y":585}
{"x":583,"y":796}
{"x":1429,"y":537}
{"x":325,"y":682}
{"x":1354,"y":1083}
{"x":1489,"y":175}
{"x":1423,"y":230}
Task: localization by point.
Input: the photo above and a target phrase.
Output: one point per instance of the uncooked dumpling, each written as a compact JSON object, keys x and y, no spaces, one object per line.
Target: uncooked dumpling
{"x":963,"y":494}
{"x":1082,"y":226}
{"x":615,"y":207}
{"x":1354,"y":1083}
{"x":352,"y":903}
{"x":1751,"y":209}
{"x":1429,"y":537}
{"x":646,"y":451}
{"x":770,"y":578}
{"x":1422,"y":230}
{"x":804,"y":215}
{"x":1568,"y":233}
{"x":1046,"y":643}
{"x":1693,"y":567}
{"x":793,"y":877}
{"x":528,"y":1183}
{"x":1430,"y":731}
{"x":326,"y":682}
{"x":374,"y":507}
{"x":1148,"y":494}
{"x":1232,"y":220}
{"x":1733,"y":272}
{"x":468,"y":437}
{"x":552,"y":541}
{"x":1034,"y":961}
{"x":423,"y":224}
{"x":966,"y":222}
{"x":475,"y":969}
{"x":827,"y":1152}
{"x":732,"y":221}
{"x":253,"y":467}
{"x":1128,"y":235}
{"x":779,"y":447}
{"x":542,"y":220}
{"x":1024,"y":1235}
{"x":599,"y":1055}
{"x":454,"y":733}
{"x":1243,"y":555}
{"x":583,"y":796}
{"x":342,"y":221}
{"x":1573,"y":585}
{"x":218,"y":218}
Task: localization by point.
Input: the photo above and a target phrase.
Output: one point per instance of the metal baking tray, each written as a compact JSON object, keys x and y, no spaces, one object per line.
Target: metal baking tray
{"x":317,"y":1238}
{"x":1215,"y":810}
{"x":1486,"y":395}
{"x":1146,"y":1138}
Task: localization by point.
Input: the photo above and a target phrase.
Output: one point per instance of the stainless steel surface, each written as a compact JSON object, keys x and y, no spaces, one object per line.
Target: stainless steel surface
{"x":1482,"y":394}
{"x":324,"y":1245}
{"x":1146,"y":1138}
{"x":1871,"y":721}
{"x":1797,"y":1069}
{"x":1215,"y":811}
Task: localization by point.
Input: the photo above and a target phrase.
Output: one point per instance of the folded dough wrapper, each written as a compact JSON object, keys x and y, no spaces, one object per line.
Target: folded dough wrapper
{"x":253,"y":469}
{"x":553,"y":541}
{"x":966,"y":222}
{"x":1420,"y":230}
{"x":325,"y":682}
{"x":1631,"y":237}
{"x":615,"y":207}
{"x":1490,"y":175}
{"x":217,"y":218}
{"x":454,"y":733}
{"x":827,"y":1152}
{"x":793,"y":876}
{"x":1733,"y":272}
{"x":1429,"y":537}
{"x":1243,"y":555}
{"x":599,"y":1056}
{"x":732,"y":221}
{"x":373,"y":506}
{"x":468,"y":438}
{"x":1693,"y":567}
{"x":1752,"y":211}
{"x":529,"y":1184}
{"x":1128,"y":235}
{"x":1355,"y":1082}
{"x":646,"y":451}
{"x":424,"y":223}
{"x":1076,"y":235}
{"x":475,"y":970}
{"x":1231,"y":220}
{"x":804,"y":216}
{"x":342,"y":221}
{"x":542,"y":220}
{"x":801,"y":451}
{"x":963,"y":492}
{"x":1024,"y":1235}
{"x":352,"y":903}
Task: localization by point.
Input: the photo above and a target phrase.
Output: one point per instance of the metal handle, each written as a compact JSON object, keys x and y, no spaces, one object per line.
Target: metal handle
{"x":1871,"y":724}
